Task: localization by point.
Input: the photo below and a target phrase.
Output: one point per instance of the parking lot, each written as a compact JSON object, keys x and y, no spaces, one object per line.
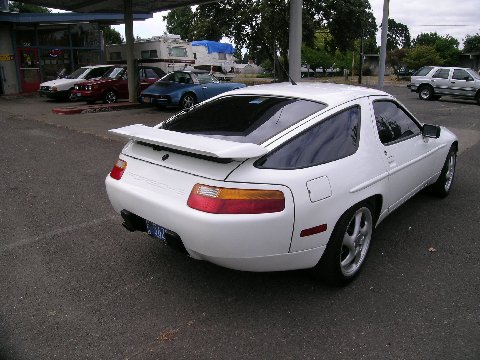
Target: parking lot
{"x":76,"y":285}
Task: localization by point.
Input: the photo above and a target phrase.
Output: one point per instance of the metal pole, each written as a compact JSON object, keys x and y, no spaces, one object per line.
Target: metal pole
{"x":295,"y":40}
{"x":131,"y":64}
{"x":383,"y":47}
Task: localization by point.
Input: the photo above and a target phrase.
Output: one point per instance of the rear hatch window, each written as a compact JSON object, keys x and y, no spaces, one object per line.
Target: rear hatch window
{"x":244,"y":118}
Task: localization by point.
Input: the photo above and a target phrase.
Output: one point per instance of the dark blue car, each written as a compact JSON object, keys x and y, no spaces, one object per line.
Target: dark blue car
{"x":185,"y":88}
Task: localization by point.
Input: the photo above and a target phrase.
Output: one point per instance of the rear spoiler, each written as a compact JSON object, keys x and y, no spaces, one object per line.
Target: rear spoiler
{"x":197,"y":144}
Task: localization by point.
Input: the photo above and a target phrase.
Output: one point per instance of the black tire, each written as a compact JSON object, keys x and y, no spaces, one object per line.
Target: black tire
{"x":443,"y":185}
{"x":348,"y":246}
{"x":71,"y":96}
{"x":188,"y":100}
{"x":477,"y":97}
{"x":90,"y":102}
{"x":110,"y":97}
{"x":425,"y":92}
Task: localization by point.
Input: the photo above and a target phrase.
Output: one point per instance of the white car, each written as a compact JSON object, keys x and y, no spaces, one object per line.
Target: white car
{"x":62,"y":88}
{"x":279,"y":177}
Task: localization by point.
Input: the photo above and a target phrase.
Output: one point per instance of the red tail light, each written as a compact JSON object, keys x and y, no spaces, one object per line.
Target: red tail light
{"x":118,"y":169}
{"x":218,"y":200}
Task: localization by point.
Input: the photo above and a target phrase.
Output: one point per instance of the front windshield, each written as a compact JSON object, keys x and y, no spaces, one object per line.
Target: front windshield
{"x":474,"y":74}
{"x":205,"y":78}
{"x":115,"y":72}
{"x":77,"y":74}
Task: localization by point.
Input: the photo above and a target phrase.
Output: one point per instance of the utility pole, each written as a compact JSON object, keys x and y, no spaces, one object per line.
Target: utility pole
{"x":383,"y":47}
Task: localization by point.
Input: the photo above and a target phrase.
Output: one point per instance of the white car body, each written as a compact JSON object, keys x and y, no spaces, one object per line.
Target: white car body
{"x":160,"y":174}
{"x":61,"y":88}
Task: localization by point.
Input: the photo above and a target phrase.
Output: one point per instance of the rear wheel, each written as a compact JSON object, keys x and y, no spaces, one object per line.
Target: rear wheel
{"x":444,"y":183}
{"x":187,"y":101}
{"x":425,"y":93}
{"x":478,"y":98}
{"x":348,"y":246}
{"x":109,"y":97}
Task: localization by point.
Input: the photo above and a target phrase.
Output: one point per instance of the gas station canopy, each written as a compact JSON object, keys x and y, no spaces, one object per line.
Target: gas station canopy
{"x":111,"y":6}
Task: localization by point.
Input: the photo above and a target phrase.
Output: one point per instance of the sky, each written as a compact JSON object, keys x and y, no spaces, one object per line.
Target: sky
{"x":445,"y":17}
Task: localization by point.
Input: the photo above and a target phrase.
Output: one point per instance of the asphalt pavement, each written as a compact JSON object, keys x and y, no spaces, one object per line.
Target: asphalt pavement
{"x":76,"y":285}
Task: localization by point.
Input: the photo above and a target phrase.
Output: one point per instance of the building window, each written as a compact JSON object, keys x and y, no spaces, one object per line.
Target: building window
{"x":222,"y":56}
{"x":177,"y":51}
{"x":53,"y":35}
{"x":115,"y":56}
{"x":85,"y":35}
{"x":149,"y":54}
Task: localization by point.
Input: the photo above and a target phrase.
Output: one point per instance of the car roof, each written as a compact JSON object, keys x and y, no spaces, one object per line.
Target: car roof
{"x":95,"y":66}
{"x":327,"y":93}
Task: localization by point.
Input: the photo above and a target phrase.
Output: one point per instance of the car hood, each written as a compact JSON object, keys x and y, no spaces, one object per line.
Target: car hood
{"x":59,"y":82}
{"x":164,"y":87}
{"x":97,"y":81}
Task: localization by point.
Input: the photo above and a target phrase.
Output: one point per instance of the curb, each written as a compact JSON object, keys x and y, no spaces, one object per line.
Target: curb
{"x":88,"y":109}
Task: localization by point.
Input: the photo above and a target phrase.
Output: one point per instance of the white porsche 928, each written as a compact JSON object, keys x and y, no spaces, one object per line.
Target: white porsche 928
{"x":279,"y":177}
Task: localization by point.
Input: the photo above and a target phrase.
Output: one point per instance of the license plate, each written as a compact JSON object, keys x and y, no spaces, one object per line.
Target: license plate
{"x":78,"y":94}
{"x":146,"y":99}
{"x":155,"y":230}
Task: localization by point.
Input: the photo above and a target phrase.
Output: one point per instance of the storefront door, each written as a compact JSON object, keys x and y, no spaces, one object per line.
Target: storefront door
{"x":29,"y":69}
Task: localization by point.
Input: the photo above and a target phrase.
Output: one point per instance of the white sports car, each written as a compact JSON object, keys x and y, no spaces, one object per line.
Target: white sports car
{"x":279,"y":177}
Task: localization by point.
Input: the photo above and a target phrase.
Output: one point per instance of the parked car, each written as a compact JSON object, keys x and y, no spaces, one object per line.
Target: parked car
{"x":185,"y":88}
{"x":403,"y":72}
{"x":63,"y":88}
{"x":432,"y":82}
{"x":114,"y":84}
{"x":279,"y":177}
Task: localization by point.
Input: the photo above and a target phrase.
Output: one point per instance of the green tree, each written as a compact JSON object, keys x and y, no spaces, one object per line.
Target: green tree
{"x":398,"y":35}
{"x":111,"y":36}
{"x":180,"y":22}
{"x":445,"y":46}
{"x":16,"y":6}
{"x":422,"y":55}
{"x":261,"y":26}
{"x":471,"y":44}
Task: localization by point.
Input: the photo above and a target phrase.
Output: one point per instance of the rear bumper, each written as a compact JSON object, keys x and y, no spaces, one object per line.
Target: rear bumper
{"x":412,"y":87}
{"x":250,"y":242}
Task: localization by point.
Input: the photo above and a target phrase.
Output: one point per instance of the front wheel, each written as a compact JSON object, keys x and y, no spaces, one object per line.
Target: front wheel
{"x":348,"y":246}
{"x":71,"y":96}
{"x":187,"y":101}
{"x":478,"y":98}
{"x":110,"y":97}
{"x":425,"y":93}
{"x":443,"y":185}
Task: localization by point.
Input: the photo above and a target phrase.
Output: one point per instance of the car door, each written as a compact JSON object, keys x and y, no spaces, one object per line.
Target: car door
{"x":408,"y":155}
{"x":462,"y":83}
{"x":441,"y":81}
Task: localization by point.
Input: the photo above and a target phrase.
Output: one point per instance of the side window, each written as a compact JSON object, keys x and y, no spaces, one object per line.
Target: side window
{"x":441,"y":74}
{"x":149,"y":73}
{"x":460,"y":74}
{"x":329,"y":140}
{"x":393,"y":123}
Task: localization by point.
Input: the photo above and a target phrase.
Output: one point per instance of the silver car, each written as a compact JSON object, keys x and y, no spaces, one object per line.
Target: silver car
{"x":432,"y":82}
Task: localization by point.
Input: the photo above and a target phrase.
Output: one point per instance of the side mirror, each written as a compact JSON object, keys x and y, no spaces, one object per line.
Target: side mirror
{"x":431,"y":131}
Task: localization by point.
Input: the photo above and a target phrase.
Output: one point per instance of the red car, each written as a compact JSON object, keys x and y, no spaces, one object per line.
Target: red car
{"x":114,"y":84}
